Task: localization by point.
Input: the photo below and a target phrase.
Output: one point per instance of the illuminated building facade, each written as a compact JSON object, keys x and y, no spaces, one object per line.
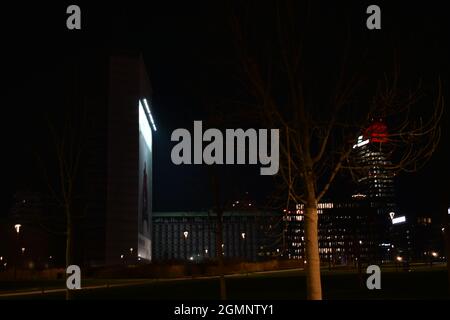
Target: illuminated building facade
{"x":348,"y":233}
{"x":247,"y":235}
{"x":109,"y":97}
{"x":417,"y":239}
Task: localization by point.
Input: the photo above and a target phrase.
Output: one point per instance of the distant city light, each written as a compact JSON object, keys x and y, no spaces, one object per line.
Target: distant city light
{"x":434,"y":254}
{"x":23,"y":250}
{"x":131,"y":250}
{"x":191,"y":258}
{"x":1,"y":258}
{"x":399,"y":259}
{"x":121,"y":256}
{"x":399,"y":220}
{"x":243,"y":235}
{"x":186,"y":234}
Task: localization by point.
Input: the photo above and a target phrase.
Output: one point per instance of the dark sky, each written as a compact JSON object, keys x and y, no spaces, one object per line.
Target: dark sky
{"x":188,"y":49}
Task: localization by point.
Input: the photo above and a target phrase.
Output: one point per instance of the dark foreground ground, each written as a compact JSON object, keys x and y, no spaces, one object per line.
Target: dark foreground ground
{"x":419,"y":283}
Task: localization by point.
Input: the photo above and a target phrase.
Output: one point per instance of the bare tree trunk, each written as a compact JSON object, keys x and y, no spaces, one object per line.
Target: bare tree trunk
{"x":219,"y":234}
{"x":447,"y":246}
{"x":219,"y":242}
{"x":313,"y":283}
{"x":69,"y":246}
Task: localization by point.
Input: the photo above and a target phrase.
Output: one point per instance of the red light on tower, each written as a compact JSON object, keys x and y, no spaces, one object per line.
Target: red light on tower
{"x":377,"y":132}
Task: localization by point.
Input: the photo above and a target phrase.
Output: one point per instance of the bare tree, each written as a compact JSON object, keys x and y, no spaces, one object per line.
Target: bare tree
{"x":67,"y":145}
{"x":61,"y":159}
{"x":321,"y":110}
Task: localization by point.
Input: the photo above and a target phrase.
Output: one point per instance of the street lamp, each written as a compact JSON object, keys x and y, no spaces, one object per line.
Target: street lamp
{"x":244,"y":244}
{"x":185,"y":234}
{"x":17,"y":227}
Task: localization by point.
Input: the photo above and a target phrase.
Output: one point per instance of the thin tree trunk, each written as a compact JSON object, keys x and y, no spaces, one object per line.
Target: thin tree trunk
{"x":219,"y":237}
{"x":447,"y":246}
{"x":313,"y":283}
{"x":69,"y":247}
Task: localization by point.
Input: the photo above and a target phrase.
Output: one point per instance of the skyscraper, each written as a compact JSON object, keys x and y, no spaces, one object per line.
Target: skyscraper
{"x":375,"y":179}
{"x":375,"y":183}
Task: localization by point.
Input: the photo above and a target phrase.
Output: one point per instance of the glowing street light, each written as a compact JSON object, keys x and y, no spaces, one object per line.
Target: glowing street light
{"x":185,"y":234}
{"x":434,"y":254}
{"x":23,"y":250}
{"x":17,"y":227}
{"x":244,"y":244}
{"x":399,"y":259}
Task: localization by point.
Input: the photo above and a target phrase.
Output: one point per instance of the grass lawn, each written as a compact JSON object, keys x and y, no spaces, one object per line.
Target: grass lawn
{"x":421,"y":283}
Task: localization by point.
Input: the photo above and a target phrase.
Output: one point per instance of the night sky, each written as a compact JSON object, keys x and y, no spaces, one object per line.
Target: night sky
{"x":189,"y":52}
